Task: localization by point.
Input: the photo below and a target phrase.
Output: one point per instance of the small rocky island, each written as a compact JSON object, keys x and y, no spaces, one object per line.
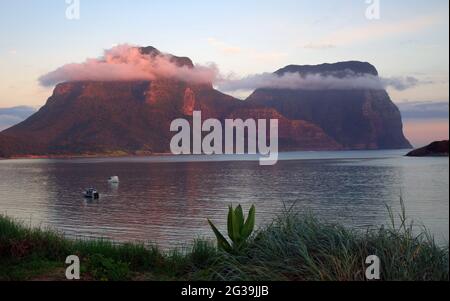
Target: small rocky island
{"x":435,"y":149}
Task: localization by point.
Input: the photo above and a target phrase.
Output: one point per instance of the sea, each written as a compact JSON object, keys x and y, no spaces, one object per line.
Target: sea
{"x":166,"y":200}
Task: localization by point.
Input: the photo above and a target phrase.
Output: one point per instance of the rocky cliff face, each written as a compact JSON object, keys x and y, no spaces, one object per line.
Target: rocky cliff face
{"x":293,"y":134}
{"x":100,"y":117}
{"x":354,"y":118}
{"x":135,"y":116}
{"x":131,"y":117}
{"x":22,"y":146}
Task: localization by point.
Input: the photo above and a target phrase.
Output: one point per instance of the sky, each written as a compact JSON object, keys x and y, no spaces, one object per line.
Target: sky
{"x":246,"y":37}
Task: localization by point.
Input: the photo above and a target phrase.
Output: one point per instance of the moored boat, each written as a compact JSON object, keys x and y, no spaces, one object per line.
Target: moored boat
{"x":91,"y":193}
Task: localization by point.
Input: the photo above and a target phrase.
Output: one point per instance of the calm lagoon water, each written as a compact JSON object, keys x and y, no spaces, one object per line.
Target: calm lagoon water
{"x":166,"y":199}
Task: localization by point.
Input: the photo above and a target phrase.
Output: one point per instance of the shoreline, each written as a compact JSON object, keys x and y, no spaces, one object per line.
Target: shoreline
{"x":87,"y":156}
{"x":167,"y":154}
{"x":330,"y":253}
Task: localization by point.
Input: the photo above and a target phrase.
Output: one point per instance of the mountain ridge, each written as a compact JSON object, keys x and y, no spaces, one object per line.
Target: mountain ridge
{"x":355,"y":118}
{"x":335,"y":69}
{"x":132,"y":117}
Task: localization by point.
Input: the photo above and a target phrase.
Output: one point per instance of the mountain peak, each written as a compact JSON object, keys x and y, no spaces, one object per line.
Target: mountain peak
{"x":150,"y":50}
{"x":339,"y":69}
{"x":180,"y":61}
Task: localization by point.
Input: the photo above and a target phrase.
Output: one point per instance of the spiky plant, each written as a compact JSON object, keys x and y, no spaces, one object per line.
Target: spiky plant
{"x":239,"y":229}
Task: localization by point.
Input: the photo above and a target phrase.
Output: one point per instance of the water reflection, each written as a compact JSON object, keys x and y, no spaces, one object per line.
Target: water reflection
{"x":168,"y":203}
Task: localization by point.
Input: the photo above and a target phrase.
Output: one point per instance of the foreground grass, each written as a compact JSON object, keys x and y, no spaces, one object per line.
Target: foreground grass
{"x":294,"y":247}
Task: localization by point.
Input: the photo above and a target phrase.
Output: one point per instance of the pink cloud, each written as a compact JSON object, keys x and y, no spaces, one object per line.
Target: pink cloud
{"x":127,"y":63}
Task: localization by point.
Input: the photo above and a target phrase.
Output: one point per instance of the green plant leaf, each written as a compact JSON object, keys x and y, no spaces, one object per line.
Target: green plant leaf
{"x":240,"y":217}
{"x":235,"y":227}
{"x":230,"y":223}
{"x":222,"y":243}
{"x":249,"y":223}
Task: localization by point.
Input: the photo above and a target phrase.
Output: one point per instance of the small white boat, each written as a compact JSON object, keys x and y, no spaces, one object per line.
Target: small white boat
{"x":91,"y":193}
{"x":113,"y":180}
